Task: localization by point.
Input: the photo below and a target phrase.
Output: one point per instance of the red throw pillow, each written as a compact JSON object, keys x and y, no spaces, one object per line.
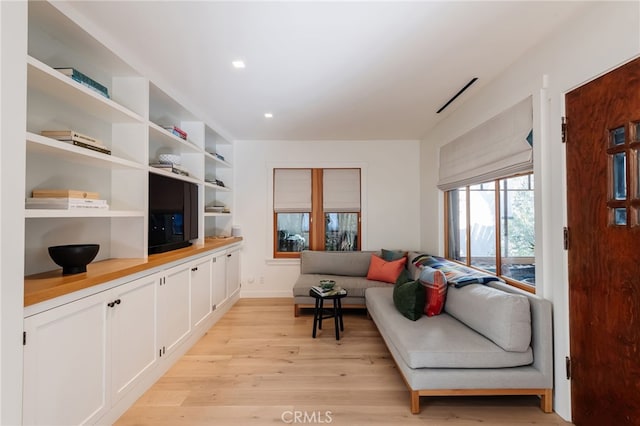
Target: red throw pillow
{"x":388,"y":272}
{"x":435,"y":283}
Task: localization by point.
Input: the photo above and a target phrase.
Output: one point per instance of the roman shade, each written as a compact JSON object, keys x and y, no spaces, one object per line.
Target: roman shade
{"x":499,"y":148}
{"x":341,"y":190}
{"x":291,"y":190}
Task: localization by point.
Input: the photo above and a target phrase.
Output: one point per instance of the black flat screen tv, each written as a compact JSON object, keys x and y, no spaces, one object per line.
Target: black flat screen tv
{"x":173,"y":213}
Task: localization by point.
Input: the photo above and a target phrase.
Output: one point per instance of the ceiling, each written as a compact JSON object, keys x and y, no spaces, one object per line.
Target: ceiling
{"x":326,"y":70}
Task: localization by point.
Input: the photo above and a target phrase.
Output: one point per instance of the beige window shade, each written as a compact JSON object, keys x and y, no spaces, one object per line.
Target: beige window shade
{"x":292,"y":190}
{"x":496,"y":149}
{"x":341,"y":190}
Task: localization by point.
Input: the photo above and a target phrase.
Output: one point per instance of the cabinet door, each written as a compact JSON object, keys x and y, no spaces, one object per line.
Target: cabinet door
{"x":233,"y":272}
{"x":173,"y":308}
{"x":66,"y":364}
{"x":132,"y":311}
{"x":219,"y":279}
{"x":200,"y":291}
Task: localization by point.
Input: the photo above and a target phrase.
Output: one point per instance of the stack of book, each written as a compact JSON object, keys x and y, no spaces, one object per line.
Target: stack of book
{"x":176,"y":131}
{"x":77,"y":139}
{"x":65,"y":199}
{"x":330,"y":292}
{"x":171,"y":168}
{"x":85,"y":81}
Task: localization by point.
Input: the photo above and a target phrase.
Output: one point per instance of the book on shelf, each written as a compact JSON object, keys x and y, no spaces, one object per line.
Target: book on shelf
{"x":77,"y":139}
{"x":170,"y":167}
{"x":63,"y":193}
{"x":65,"y":203}
{"x":176,"y":131}
{"x":70,"y":135}
{"x":331,"y":292}
{"x":92,"y":147}
{"x":218,"y":156}
{"x":85,"y":80}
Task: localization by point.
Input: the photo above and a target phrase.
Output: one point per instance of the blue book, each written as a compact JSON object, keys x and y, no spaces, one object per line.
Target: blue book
{"x":85,"y":80}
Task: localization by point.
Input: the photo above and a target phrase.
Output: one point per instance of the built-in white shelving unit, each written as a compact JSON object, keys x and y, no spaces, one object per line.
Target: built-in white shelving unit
{"x":102,"y":338}
{"x":130,"y":123}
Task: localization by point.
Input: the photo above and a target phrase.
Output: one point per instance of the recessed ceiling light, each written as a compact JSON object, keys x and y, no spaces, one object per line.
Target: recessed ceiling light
{"x":238,"y":64}
{"x":268,"y":115}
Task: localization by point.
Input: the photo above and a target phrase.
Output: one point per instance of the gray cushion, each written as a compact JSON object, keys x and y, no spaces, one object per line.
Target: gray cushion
{"x":347,"y":263}
{"x":503,"y":317}
{"x":437,"y":342}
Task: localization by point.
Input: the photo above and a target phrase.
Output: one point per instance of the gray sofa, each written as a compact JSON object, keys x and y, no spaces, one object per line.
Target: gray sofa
{"x":491,"y":339}
{"x":347,"y":269}
{"x":462,"y":351}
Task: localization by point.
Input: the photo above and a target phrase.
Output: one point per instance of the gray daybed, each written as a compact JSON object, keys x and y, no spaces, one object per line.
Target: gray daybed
{"x":482,"y":344}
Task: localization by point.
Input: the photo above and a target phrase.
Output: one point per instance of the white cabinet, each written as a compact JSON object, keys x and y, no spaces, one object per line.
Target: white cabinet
{"x":219,"y":279}
{"x":225,"y":279}
{"x":173,"y":308}
{"x":82,"y":357}
{"x":132,"y":310}
{"x":66,"y":361}
{"x":233,"y":272}
{"x":200,"y":290}
{"x":85,"y":357}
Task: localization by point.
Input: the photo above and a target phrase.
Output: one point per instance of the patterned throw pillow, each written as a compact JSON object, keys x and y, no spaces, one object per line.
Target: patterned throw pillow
{"x":435,"y":284}
{"x":381,"y":270}
{"x":409,"y":299}
{"x":456,"y":274}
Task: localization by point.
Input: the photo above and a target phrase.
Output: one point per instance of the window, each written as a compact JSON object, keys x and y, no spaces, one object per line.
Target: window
{"x":624,"y":175}
{"x":491,"y":226}
{"x":316,"y":209}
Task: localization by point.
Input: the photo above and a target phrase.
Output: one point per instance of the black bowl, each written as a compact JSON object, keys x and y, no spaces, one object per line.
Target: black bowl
{"x":74,"y":258}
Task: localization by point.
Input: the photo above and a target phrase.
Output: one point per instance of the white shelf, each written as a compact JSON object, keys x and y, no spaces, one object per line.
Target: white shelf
{"x":163,"y":172}
{"x":69,"y":152}
{"x":168,"y":140}
{"x":77,"y":213}
{"x":214,"y":138}
{"x":130,"y":124}
{"x":165,"y":110}
{"x":213,"y":214}
{"x":216,"y":187}
{"x":43,"y":78}
{"x":216,"y":160}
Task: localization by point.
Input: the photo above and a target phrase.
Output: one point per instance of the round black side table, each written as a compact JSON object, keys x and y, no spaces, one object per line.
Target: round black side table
{"x":320,"y":313}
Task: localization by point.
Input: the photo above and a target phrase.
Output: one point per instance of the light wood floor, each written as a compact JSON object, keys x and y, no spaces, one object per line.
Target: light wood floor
{"x":260,"y":366}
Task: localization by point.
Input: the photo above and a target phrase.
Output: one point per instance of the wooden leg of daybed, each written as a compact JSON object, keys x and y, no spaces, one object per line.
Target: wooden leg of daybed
{"x":546,"y":401}
{"x":415,"y":402}
{"x":296,"y":310}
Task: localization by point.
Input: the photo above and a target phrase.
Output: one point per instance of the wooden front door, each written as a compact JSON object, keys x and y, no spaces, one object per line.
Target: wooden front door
{"x":603,"y":201}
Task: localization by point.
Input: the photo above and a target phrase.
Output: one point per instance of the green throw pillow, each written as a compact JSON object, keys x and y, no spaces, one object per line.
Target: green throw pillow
{"x":390,"y":256}
{"x":409,"y":299}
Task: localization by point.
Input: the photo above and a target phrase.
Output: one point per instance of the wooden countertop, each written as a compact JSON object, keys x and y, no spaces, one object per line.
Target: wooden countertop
{"x":51,"y":284}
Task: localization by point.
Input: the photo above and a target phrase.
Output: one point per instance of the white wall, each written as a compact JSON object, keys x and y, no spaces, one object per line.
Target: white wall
{"x":13,"y":83}
{"x":390,"y":200}
{"x":604,"y":36}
